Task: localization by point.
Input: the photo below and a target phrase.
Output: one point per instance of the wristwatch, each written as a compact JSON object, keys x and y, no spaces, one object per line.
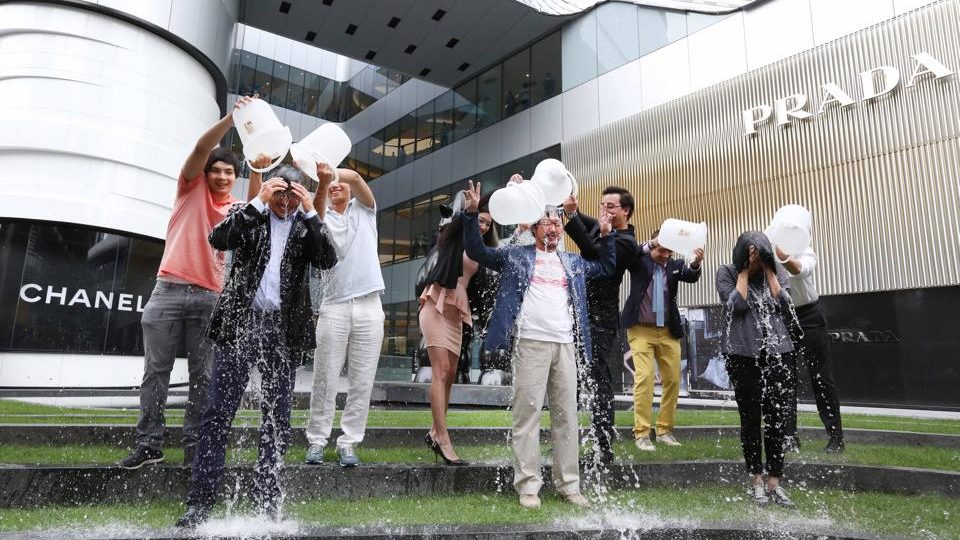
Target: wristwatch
{"x":571,"y":215}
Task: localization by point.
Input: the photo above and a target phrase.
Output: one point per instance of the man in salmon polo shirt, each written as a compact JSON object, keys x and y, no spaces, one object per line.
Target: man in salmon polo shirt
{"x":188,"y":283}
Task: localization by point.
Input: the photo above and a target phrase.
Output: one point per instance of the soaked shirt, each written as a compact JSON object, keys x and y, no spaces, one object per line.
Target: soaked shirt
{"x":354,"y":234}
{"x":758,"y":323}
{"x":267,"y":297}
{"x":545,"y":314}
{"x":803,"y":286}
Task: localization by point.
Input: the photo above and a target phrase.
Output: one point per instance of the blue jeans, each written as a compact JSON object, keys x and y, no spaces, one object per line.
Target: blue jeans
{"x":261,"y":343}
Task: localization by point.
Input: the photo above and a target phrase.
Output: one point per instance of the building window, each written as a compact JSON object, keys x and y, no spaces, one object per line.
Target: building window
{"x":465,"y":109}
{"x":517,"y":83}
{"x":72,"y":289}
{"x":489,"y":104}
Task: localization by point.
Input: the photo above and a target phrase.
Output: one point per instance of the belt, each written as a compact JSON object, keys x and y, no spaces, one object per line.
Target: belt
{"x":649,"y":324}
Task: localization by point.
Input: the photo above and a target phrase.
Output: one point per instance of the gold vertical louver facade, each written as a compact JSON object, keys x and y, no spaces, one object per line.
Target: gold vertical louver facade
{"x":880,"y":177}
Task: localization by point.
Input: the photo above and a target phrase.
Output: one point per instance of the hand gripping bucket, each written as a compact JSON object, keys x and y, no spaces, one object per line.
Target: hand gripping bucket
{"x":517,"y":203}
{"x":682,"y":237}
{"x":790,"y":229}
{"x":328,"y":144}
{"x":554,"y":180}
{"x":261,"y":133}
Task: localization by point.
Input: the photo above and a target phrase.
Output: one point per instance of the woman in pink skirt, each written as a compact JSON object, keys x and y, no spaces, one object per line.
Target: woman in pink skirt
{"x":444,"y":309}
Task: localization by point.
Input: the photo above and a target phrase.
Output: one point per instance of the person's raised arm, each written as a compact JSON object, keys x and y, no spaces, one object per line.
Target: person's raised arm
{"x":472,"y":241}
{"x":195,"y":162}
{"x":578,"y":230}
{"x":358,"y":188}
{"x":256,"y":179}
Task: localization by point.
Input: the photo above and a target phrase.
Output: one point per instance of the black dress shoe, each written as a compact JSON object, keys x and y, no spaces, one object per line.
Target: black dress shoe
{"x":194,"y":516}
{"x":835,"y":446}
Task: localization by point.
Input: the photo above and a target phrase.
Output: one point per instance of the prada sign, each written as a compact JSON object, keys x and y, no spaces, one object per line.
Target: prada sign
{"x":853,"y":335}
{"x":874,"y":83}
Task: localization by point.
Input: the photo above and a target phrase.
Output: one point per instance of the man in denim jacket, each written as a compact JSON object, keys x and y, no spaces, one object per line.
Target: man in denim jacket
{"x":541,"y":305}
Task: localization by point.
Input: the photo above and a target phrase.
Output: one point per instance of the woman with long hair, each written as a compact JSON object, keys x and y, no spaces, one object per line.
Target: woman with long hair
{"x":759,"y":312}
{"x":444,"y":309}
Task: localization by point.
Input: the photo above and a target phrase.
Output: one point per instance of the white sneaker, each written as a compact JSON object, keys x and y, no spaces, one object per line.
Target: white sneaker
{"x":645,"y":444}
{"x":529,"y":501}
{"x":667,"y":439}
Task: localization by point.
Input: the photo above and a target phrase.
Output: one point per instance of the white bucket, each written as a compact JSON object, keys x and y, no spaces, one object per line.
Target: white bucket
{"x":261,"y":133}
{"x":790,"y":229}
{"x":328,"y":144}
{"x":791,"y":238}
{"x":517,"y":203}
{"x":556,"y":182}
{"x":682,"y":237}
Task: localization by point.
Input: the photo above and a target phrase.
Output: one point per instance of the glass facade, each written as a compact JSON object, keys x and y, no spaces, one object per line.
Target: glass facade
{"x":523,"y":80}
{"x":617,"y":33}
{"x":71,"y":289}
{"x":294,"y":89}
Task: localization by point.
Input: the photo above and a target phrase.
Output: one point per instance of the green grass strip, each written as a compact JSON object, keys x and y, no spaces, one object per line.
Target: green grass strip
{"x":921,"y":517}
{"x":727,"y":448}
{"x":16,"y":412}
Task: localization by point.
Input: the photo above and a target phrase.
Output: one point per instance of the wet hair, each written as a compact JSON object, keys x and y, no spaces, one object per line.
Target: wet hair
{"x":547,"y":210}
{"x":626,"y":199}
{"x":289,"y":174}
{"x":741,"y":251}
{"x":222,"y":154}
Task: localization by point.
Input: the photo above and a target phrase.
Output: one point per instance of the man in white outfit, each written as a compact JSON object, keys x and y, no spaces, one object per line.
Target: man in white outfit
{"x":351,"y":316}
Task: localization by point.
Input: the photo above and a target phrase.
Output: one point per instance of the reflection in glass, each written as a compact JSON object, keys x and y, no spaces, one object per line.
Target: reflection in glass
{"x":546,"y":68}
{"x":617,"y":41}
{"x":488,"y":97}
{"x":425,"y":136}
{"x":408,"y":139}
{"x":73,"y":289}
{"x":401,"y":232}
{"x":295,"y":90}
{"x":658,"y":28}
{"x":516,"y":83}
{"x":281,"y":80}
{"x":465,"y":109}
{"x":385,"y":221}
{"x":263,"y":80}
{"x":443,"y":119}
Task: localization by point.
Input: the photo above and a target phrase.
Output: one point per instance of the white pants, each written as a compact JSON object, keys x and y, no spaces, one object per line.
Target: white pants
{"x":544,"y":369}
{"x":350,"y":329}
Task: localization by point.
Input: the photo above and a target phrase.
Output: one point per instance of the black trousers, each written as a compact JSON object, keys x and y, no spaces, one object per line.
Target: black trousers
{"x":761,"y":389}
{"x":813,"y":351}
{"x":604,"y":343}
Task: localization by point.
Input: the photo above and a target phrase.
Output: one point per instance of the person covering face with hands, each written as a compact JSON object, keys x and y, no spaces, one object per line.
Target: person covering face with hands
{"x":263,"y":319}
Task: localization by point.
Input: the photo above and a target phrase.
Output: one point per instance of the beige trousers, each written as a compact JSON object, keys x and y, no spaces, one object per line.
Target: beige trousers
{"x":541,"y":369}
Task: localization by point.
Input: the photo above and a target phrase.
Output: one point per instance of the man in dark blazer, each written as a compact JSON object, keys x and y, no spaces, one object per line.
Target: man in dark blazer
{"x":654,"y":329}
{"x":263,"y":318}
{"x":603,"y":304}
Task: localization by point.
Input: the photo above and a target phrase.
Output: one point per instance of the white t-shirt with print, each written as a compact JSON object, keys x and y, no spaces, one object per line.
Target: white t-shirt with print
{"x":545,"y":315}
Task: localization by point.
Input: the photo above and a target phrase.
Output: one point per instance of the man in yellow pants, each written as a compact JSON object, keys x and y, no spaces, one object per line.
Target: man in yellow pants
{"x":652,"y":320}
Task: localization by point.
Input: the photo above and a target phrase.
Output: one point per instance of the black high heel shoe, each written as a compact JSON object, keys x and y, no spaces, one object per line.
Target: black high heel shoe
{"x":447,"y":461}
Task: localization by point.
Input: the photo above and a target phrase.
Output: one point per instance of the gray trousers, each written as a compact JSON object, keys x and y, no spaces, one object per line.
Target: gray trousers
{"x":175,"y":315}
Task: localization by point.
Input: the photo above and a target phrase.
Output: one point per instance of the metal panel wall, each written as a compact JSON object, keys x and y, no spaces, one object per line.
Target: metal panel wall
{"x":879,"y":176}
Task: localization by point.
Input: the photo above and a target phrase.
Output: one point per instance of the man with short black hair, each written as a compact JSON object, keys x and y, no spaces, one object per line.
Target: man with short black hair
{"x":189,"y":280}
{"x":654,"y":329}
{"x":603,"y":303}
